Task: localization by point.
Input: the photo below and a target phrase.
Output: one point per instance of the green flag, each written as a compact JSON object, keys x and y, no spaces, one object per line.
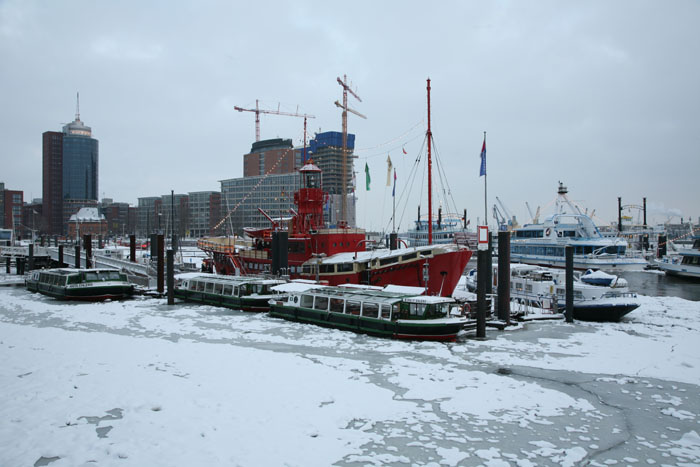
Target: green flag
{"x":368,"y":179}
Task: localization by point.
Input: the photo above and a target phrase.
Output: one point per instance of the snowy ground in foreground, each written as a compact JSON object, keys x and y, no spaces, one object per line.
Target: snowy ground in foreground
{"x":141,"y":383}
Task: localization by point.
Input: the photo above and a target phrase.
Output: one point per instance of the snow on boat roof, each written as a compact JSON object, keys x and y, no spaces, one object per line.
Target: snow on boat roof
{"x":364,"y":256}
{"x":230,"y":279}
{"x":296,"y":286}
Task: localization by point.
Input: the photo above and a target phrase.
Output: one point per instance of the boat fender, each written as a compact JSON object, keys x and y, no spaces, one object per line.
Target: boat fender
{"x":548,"y":231}
{"x":551,"y":289}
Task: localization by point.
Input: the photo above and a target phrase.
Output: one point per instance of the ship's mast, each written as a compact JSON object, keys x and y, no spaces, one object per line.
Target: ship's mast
{"x":430,"y":173}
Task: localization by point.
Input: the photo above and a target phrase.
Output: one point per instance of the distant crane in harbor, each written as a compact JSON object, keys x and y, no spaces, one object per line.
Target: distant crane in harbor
{"x":259,"y":111}
{"x":346,"y":109}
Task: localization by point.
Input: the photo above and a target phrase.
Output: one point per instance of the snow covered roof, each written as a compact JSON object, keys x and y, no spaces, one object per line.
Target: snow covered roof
{"x":87,"y":215}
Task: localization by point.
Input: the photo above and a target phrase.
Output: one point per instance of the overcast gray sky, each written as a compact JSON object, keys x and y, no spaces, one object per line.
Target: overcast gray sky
{"x":601,"y":95}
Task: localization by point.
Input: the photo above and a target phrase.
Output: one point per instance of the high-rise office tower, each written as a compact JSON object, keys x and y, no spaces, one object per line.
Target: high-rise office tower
{"x":70,"y":173}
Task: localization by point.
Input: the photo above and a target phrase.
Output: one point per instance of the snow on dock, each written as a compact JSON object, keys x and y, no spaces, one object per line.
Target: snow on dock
{"x":141,"y":383}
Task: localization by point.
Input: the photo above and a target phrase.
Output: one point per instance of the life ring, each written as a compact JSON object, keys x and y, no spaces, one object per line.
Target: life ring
{"x":547,"y":232}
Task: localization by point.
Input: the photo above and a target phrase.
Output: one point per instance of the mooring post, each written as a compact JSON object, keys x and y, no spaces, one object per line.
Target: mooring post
{"x":19,"y":262}
{"x":171,"y":277}
{"x":87,"y":244}
{"x":77,"y":256}
{"x":504,"y":276}
{"x":569,"y":284}
{"x":132,"y":248}
{"x":100,"y":243}
{"x":481,"y":279}
{"x":31,"y":256}
{"x":489,"y":273}
{"x":60,"y":256}
{"x":661,"y":246}
{"x":8,"y":262}
{"x":160,"y":241}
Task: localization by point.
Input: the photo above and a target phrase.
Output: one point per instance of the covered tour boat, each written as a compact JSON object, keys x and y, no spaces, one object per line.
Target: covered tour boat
{"x":247,"y":293}
{"x":80,"y":284}
{"x":396,"y":312}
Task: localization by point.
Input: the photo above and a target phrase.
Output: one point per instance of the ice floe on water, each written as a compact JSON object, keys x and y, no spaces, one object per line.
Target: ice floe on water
{"x":142,"y":383}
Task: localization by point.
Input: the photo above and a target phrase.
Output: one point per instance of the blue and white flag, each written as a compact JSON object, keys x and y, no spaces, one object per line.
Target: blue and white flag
{"x":482,"y":171}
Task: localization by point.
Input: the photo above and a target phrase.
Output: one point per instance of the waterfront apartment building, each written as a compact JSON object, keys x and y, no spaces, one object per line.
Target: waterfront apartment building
{"x":147,"y":218}
{"x":70,"y":165}
{"x":11,"y":202}
{"x":204,"y":213}
{"x":243,"y":196}
{"x":175,"y":214}
{"x":272,"y":156}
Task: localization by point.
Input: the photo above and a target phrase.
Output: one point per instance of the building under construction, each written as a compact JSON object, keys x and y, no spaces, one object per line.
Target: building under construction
{"x":270,"y":181}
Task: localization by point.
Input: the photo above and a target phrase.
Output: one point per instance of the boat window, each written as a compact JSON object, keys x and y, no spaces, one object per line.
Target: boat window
{"x":228,"y":289}
{"x":416,"y":309}
{"x":578,"y":295}
{"x":113,"y":275}
{"x":370,"y":310}
{"x":321,"y":303}
{"x":218,"y":288}
{"x":337,"y":305}
{"x":326,"y":268}
{"x":73,"y":279}
{"x":386,"y":311}
{"x":200,"y":286}
{"x":561,"y":292}
{"x":352,"y":307}
{"x":518,"y":286}
{"x":209,"y":287}
{"x":236,"y":291}
{"x":528,"y":287}
{"x":63,"y":280}
{"x":426,"y":253}
{"x":391,"y":260}
{"x":91,"y":276}
{"x":307,"y":301}
{"x":409,"y":256}
{"x":306,"y":269}
{"x":345,"y":267}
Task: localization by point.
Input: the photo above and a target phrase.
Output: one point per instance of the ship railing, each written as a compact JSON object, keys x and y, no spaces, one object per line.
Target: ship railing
{"x":216,"y":246}
{"x":257,"y":254}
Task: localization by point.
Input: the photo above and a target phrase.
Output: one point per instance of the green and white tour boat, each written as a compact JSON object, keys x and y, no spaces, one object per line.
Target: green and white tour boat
{"x":80,"y":284}
{"x":392,"y":311}
{"x":247,"y":293}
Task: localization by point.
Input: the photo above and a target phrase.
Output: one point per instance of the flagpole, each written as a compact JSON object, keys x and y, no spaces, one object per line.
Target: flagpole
{"x":486,"y":217}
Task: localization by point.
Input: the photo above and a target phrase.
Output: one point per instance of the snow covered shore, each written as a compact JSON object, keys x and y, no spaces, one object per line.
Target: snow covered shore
{"x":142,"y":383}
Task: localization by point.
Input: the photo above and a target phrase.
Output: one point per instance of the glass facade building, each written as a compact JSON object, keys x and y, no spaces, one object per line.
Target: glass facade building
{"x":80,"y":167}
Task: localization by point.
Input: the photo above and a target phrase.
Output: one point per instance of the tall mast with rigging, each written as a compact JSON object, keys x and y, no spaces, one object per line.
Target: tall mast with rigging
{"x":430,"y":175}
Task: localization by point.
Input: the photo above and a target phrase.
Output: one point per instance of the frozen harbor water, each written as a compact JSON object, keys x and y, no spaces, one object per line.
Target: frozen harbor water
{"x":142,"y":383}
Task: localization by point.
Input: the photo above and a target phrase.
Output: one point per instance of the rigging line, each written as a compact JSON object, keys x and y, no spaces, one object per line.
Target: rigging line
{"x":274,"y":166}
{"x":422,"y":122}
{"x":394,"y":148}
{"x":407,"y":187}
{"x":443,"y":176}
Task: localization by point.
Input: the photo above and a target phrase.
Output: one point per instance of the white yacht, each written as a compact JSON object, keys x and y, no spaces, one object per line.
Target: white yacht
{"x":685,"y":264}
{"x":544,"y":243}
{"x":597,"y":296}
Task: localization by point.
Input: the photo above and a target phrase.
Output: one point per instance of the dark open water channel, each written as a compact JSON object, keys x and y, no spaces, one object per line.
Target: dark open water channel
{"x":657,"y":284}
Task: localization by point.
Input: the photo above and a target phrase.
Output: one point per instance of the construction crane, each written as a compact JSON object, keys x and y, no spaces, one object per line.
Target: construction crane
{"x":511,"y":221}
{"x":534,"y":218}
{"x":259,"y":111}
{"x":346,"y":109}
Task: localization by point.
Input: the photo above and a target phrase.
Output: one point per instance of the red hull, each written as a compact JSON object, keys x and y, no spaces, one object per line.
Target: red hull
{"x":444,"y":272}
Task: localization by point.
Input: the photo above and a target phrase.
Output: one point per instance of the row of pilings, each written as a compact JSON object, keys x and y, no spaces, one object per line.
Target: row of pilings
{"x":484,"y":283}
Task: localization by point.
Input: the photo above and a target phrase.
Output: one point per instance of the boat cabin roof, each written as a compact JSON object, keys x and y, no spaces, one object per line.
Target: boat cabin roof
{"x":69,"y":271}
{"x":235,"y":280}
{"x":376,"y":296}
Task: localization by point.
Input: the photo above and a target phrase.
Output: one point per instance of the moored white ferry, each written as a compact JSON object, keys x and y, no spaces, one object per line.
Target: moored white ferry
{"x":544,"y":243}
